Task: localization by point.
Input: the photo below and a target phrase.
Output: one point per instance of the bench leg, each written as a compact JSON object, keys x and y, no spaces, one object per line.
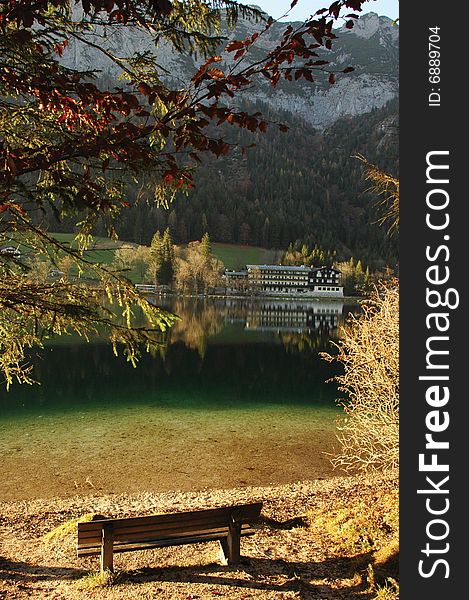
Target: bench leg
{"x":223,"y":551}
{"x":107,"y":549}
{"x":231,"y":545}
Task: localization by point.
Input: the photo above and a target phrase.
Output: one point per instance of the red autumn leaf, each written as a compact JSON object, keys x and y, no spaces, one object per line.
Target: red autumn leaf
{"x":210,"y":111}
{"x":216,"y":74}
{"x":348,"y":70}
{"x":59,"y":48}
{"x":235,"y":45}
{"x":334,"y":9}
{"x":17,"y":207}
{"x":239,"y":54}
{"x":144,"y":89}
{"x":354,"y":4}
{"x":130,"y":99}
{"x":201,"y":73}
{"x":220,"y":113}
{"x":12,"y":165}
{"x":331,"y":78}
{"x":251,"y":124}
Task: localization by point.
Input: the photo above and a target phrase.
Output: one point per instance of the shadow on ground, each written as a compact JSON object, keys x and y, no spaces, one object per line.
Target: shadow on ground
{"x":28,"y":573}
{"x":344,"y":578}
{"x":264,"y":574}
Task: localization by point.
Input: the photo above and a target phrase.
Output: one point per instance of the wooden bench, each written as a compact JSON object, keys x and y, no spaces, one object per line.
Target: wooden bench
{"x":227,"y":525}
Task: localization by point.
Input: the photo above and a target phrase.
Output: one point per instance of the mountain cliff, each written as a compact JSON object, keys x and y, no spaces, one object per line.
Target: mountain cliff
{"x":300,"y":186}
{"x":371,"y":47}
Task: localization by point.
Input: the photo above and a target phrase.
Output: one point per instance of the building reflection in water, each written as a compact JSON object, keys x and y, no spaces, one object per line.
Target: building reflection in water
{"x":286,"y":316}
{"x":203,"y":320}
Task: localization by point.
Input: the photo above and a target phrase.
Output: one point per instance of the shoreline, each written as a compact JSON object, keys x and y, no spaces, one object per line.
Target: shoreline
{"x":346,"y":299}
{"x":204,"y":497}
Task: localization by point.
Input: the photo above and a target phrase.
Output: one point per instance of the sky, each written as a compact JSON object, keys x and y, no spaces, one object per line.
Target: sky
{"x":304,"y":8}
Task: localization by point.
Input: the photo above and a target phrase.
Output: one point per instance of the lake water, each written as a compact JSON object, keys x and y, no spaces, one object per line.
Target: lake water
{"x":237,"y":396}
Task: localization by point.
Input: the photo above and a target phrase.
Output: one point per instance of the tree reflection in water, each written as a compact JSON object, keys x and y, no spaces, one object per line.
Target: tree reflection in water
{"x":221,"y":349}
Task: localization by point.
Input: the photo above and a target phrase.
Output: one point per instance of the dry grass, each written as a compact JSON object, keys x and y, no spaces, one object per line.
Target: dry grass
{"x":63,"y":530}
{"x":388,"y":592}
{"x":369,"y":524}
{"x":99,"y":579}
{"x":336,"y":554}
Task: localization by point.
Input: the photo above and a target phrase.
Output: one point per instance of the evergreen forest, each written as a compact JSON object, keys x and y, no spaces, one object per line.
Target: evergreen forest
{"x":299,"y":186}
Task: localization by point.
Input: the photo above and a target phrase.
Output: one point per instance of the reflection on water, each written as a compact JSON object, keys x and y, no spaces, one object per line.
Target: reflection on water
{"x":262,"y":314}
{"x":203,"y":319}
{"x":236,"y":383}
{"x":291,"y":316}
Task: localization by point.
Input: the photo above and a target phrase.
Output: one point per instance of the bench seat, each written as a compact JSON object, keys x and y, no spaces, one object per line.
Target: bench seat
{"x":225,"y":524}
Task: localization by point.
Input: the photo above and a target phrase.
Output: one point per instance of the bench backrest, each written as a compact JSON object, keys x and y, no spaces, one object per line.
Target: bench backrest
{"x":167,"y":526}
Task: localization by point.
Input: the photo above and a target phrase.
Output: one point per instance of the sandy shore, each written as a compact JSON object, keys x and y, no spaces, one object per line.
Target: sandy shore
{"x":288,"y":557}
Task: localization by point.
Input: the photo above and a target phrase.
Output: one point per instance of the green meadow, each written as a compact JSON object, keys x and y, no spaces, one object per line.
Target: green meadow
{"x":233,"y":256}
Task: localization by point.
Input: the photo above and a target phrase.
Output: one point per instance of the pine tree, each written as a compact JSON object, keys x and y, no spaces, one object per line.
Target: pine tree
{"x":156,"y":257}
{"x":167,"y":266}
{"x":206,"y":247}
{"x":359,"y":274}
{"x":204,"y":222}
{"x":367,"y":279}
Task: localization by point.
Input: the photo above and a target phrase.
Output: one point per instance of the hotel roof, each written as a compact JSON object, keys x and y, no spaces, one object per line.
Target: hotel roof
{"x":302,"y":269}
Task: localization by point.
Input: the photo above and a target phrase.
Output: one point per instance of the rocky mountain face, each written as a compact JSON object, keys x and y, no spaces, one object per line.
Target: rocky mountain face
{"x":299,"y":186}
{"x":371,"y":47}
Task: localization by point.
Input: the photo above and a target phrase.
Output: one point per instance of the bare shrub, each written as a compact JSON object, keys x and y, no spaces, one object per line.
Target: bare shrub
{"x":387,"y":187}
{"x":369,"y":353}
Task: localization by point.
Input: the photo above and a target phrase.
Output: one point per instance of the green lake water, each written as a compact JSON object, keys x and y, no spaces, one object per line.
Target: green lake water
{"x":236,"y":397}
